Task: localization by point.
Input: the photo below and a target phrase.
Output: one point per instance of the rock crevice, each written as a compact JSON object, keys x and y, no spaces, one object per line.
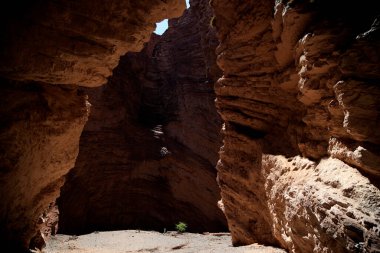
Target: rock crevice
{"x":148,"y":152}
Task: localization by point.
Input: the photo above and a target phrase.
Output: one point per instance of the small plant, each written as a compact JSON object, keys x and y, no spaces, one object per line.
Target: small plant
{"x":181,"y":227}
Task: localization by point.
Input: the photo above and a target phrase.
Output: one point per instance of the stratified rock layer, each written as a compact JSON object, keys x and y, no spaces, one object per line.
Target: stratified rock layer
{"x":75,"y":42}
{"x":55,"y":42}
{"x":300,"y":81}
{"x":148,"y":152}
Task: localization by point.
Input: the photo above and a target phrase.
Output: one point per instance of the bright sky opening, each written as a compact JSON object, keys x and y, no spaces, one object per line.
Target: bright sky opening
{"x":163,"y":25}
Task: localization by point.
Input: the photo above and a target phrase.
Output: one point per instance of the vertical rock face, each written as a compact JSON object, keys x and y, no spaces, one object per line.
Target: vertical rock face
{"x":148,"y":152}
{"x":40,"y":129}
{"x":299,"y":96}
{"x":44,"y":43}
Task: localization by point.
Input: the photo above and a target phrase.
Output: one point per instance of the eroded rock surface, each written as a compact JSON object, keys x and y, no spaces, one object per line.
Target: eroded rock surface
{"x":39,"y":140}
{"x":45,"y":43}
{"x":76,"y":42}
{"x":314,"y":210}
{"x":300,"y":79}
{"x":148,"y":152}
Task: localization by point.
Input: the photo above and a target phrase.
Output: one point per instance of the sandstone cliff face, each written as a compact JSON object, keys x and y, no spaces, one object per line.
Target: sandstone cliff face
{"x":40,"y":129}
{"x":148,"y":152}
{"x":80,"y":42}
{"x":300,"y":81}
{"x":44,"y":43}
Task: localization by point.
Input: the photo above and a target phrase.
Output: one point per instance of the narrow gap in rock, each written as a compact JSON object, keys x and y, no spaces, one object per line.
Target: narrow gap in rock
{"x":148,"y":152}
{"x":235,"y":123}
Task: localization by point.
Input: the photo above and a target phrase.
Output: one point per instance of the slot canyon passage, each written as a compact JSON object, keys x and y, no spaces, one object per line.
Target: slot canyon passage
{"x":256,"y":117}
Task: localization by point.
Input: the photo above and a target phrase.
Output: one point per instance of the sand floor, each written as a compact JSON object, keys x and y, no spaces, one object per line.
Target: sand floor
{"x":148,"y":241}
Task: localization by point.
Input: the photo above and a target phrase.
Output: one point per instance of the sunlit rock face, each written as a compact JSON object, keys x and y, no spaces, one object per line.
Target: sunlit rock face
{"x":47,"y":49}
{"x":148,"y":152}
{"x":300,"y":99}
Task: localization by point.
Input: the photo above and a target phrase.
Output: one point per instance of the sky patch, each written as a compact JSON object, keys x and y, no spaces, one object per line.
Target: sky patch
{"x":162,"y":26}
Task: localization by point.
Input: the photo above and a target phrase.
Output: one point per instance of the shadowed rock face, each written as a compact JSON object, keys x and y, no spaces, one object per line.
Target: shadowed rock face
{"x":148,"y":152}
{"x":300,"y":81}
{"x":39,"y":139}
{"x":55,"y":42}
{"x":299,"y":97}
{"x":75,"y":42}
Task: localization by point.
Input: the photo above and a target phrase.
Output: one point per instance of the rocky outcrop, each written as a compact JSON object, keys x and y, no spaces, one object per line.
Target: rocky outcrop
{"x":79,"y":42}
{"x":148,"y":152}
{"x":55,"y":42}
{"x":301,"y":107}
{"x":48,"y":226}
{"x":40,"y":129}
{"x":313,"y":210}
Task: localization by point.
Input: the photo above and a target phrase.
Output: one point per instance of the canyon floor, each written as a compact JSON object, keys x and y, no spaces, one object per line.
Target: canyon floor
{"x":129,"y":241}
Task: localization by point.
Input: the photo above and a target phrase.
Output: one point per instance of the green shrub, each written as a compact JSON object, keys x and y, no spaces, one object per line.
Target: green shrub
{"x":181,"y":227}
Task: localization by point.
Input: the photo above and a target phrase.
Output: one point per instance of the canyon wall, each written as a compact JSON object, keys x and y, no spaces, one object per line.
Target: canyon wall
{"x":299,"y":167}
{"x":40,"y":130}
{"x":75,"y":42}
{"x":47,"y":49}
{"x":149,"y":149}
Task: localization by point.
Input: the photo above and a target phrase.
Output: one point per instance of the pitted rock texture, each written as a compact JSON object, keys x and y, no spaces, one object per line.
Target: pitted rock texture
{"x":48,"y":226}
{"x":46,"y":43}
{"x":300,"y":79}
{"x":319,"y":211}
{"x":148,"y":152}
{"x":75,"y":42}
{"x":39,"y":138}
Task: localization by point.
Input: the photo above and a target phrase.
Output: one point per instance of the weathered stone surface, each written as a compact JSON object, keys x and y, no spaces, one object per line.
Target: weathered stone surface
{"x":314,"y":210}
{"x":193,"y":67}
{"x":75,"y":42}
{"x":301,"y":80}
{"x":148,"y":152}
{"x":48,"y":226}
{"x":39,"y":138}
{"x":55,"y":42}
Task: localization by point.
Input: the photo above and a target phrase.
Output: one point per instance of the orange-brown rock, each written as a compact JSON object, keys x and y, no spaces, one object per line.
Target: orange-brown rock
{"x":55,"y":42}
{"x":300,"y":82}
{"x":48,"y":226}
{"x":75,"y":42}
{"x":300,"y":163}
{"x":148,"y":152}
{"x":40,"y":129}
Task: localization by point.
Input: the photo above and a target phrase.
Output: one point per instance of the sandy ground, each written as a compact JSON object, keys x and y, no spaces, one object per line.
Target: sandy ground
{"x":147,"y":242}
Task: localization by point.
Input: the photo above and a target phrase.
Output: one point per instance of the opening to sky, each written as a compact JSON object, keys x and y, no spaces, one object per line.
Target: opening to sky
{"x":163,"y":25}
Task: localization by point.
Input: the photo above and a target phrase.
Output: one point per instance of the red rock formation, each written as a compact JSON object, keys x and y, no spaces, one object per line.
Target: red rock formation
{"x":40,"y":129}
{"x":59,"y":42}
{"x":148,"y":152}
{"x":76,"y":42}
{"x":299,"y":98}
{"x":300,"y":81}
